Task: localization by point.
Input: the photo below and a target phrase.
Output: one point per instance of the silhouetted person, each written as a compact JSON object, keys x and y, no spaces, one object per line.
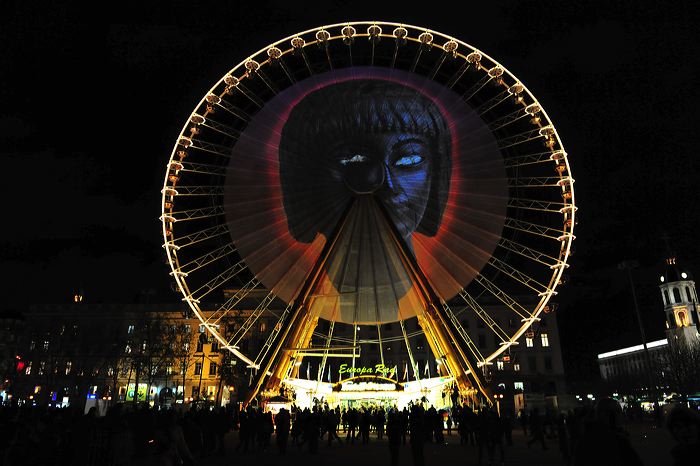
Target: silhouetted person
{"x":684,"y":425}
{"x":393,"y":432}
{"x":604,"y":442}
{"x":418,"y":434}
{"x":536,"y":429}
{"x":282,"y":422}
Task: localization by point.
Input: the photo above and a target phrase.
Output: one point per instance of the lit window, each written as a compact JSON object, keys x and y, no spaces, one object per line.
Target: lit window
{"x":169,"y":369}
{"x":499,"y":365}
{"x":127,"y":349}
{"x":529,"y":342}
{"x":545,"y":339}
{"x":519,"y":386}
{"x":186,"y":346}
{"x":263,"y":327}
{"x":28,"y":369}
{"x":42,"y":367}
{"x":110,"y":371}
{"x":69,"y":365}
{"x":46,"y":345}
{"x":131,"y":329}
{"x":197,"y":368}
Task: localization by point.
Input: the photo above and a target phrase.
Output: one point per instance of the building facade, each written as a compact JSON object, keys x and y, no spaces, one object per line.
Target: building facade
{"x":634,"y":369}
{"x":156,"y":353}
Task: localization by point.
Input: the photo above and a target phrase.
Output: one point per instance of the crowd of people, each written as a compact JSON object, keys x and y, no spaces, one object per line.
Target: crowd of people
{"x":172,"y":437}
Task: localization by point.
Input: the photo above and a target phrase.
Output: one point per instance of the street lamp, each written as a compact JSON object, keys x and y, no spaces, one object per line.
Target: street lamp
{"x":629,"y":265}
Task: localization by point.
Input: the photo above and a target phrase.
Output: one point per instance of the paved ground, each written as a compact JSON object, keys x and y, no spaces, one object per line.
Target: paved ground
{"x":652,"y":444}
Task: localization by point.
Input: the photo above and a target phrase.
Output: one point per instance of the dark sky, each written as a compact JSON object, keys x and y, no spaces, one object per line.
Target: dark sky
{"x":90,"y":106}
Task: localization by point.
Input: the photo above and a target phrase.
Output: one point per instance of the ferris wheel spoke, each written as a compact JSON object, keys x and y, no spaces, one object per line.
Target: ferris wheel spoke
{"x":228,"y":307}
{"x":502,"y":296}
{"x":210,"y":147}
{"x":183,"y":190}
{"x":380,"y":343}
{"x":530,"y":253}
{"x":458,"y":75}
{"x":220,"y":128}
{"x":197,"y":214}
{"x":327,"y":346}
{"x":472,"y":91}
{"x":231,"y":109}
{"x":533,"y":228}
{"x":532,"y":159}
{"x":276,"y":59}
{"x":473,"y":349}
{"x":438,"y":65}
{"x":518,"y":276}
{"x":206,"y":259}
{"x":203,"y":168}
{"x":484,"y":316}
{"x":520,"y":138}
{"x":263,"y":77}
{"x":414,"y":366}
{"x":540,"y":206}
{"x":269,"y":342}
{"x":215,"y":282}
{"x":493,"y":102}
{"x":534,"y":182}
{"x":502,"y":122}
{"x":196,"y":237}
{"x":234,"y":84}
{"x":251,"y":320}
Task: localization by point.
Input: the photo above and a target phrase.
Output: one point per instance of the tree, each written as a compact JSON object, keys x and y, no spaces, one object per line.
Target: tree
{"x":683,"y":367}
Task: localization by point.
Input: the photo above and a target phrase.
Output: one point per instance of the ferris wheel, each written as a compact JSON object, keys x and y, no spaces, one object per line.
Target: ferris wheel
{"x":360,"y":174}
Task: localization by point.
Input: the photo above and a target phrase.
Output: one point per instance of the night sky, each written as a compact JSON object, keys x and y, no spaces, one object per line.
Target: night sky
{"x":90,"y":106}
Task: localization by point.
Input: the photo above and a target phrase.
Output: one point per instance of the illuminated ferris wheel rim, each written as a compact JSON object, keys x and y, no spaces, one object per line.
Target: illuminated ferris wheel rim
{"x":346,"y":31}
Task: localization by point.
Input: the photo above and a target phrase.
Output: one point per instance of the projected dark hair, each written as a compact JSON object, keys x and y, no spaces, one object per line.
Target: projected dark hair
{"x":365,"y":137}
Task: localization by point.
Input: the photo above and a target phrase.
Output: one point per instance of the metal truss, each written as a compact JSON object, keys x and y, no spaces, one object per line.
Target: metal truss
{"x":205,"y":259}
{"x":197,"y":237}
{"x":533,"y":228}
{"x":182,"y":190}
{"x":483,"y":315}
{"x":196,"y":214}
{"x":542,"y":206}
{"x":252,"y":319}
{"x":223,"y":310}
{"x":502,"y":296}
{"x":203,"y":168}
{"x":215,"y":282}
{"x":530,"y":253}
{"x":517,"y":275}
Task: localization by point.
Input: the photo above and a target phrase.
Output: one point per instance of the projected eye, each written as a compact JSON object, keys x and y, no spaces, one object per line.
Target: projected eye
{"x":409,"y":160}
{"x":357,"y":158}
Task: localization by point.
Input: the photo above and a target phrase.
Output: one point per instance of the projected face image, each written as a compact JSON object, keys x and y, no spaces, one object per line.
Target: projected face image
{"x":396,"y":167}
{"x":365,"y":138}
{"x":363,"y":174}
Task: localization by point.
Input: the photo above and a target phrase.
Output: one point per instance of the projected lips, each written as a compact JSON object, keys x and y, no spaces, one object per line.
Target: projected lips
{"x":406,"y":165}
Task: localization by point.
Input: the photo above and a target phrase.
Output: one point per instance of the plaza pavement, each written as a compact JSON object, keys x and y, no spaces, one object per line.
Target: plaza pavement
{"x":653,"y":445}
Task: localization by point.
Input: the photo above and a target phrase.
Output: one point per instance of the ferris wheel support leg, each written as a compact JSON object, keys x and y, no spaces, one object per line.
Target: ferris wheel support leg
{"x":299,"y":330}
{"x":434,"y":323}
